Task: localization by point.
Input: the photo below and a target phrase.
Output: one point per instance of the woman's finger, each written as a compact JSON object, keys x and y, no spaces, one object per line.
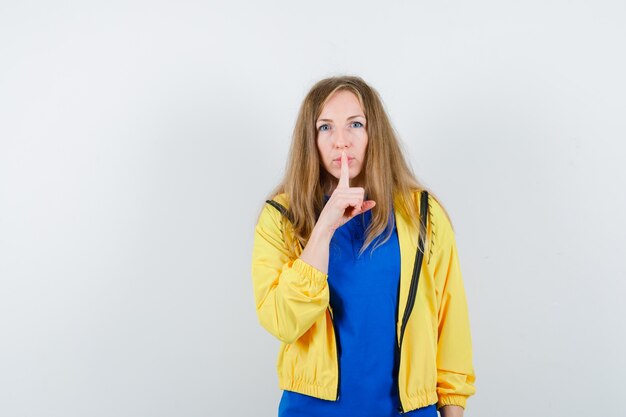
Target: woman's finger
{"x":344,"y":178}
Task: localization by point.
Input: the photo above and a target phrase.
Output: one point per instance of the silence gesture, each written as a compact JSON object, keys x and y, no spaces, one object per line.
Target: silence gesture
{"x":345,"y":202}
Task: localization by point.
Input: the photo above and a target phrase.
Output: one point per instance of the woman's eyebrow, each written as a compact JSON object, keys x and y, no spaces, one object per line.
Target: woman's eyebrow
{"x":351,"y":117}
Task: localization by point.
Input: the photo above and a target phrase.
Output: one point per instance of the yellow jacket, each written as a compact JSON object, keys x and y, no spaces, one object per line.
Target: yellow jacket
{"x":292,"y":303}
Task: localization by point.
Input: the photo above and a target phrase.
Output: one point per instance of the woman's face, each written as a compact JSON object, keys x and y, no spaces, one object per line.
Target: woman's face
{"x":342,"y":125}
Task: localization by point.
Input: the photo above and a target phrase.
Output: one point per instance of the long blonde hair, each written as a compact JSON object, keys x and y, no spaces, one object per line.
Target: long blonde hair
{"x":387,"y":175}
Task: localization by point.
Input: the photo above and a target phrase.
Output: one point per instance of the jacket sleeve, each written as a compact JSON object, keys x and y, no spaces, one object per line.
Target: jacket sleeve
{"x":290,"y":294}
{"x":455,"y":371}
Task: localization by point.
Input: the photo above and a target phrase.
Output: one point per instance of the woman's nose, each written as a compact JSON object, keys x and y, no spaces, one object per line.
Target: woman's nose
{"x":341,"y":139}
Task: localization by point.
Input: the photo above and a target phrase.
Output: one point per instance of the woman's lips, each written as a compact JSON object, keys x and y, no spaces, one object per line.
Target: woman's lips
{"x":338,"y":161}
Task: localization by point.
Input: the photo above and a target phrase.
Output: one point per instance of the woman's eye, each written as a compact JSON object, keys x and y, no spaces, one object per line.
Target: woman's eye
{"x":322,"y":127}
{"x":357,"y":123}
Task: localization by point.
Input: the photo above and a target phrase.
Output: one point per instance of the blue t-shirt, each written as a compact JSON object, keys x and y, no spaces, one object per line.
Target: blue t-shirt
{"x":363,"y":296}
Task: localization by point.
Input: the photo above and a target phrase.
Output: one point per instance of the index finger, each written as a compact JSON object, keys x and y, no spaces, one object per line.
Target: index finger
{"x":344,"y":178}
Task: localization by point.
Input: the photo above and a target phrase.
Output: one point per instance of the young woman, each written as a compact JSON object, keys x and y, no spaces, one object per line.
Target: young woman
{"x":355,"y":270}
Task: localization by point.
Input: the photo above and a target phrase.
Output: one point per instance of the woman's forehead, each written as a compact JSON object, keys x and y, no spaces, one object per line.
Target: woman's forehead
{"x":343,"y":103}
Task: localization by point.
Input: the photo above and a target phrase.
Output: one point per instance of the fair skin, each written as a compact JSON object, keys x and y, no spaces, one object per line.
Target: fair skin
{"x":342,"y":143}
{"x":341,"y":134}
{"x":451,"y":411}
{"x":341,"y":125}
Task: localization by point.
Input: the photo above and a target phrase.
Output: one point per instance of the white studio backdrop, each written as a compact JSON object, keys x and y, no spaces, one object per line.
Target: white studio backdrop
{"x":139,"y":139}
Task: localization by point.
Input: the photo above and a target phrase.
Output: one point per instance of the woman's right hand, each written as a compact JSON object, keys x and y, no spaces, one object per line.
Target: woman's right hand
{"x":344,"y":203}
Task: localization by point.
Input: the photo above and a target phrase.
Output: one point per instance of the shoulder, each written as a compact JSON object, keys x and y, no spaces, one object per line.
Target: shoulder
{"x":270,"y":215}
{"x":282,"y":198}
{"x":439,"y":222}
{"x":437,"y":211}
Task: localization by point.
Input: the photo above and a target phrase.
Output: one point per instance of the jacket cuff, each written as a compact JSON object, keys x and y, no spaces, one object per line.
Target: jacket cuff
{"x":309,"y":271}
{"x":451,"y":399}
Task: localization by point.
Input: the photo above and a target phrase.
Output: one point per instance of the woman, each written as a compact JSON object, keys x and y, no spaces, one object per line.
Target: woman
{"x":355,"y":270}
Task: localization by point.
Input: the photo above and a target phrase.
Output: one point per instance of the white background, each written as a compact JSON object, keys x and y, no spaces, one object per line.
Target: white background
{"x":139,"y":139}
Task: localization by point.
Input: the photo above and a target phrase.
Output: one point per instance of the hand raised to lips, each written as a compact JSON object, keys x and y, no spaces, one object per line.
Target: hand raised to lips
{"x":345,"y":202}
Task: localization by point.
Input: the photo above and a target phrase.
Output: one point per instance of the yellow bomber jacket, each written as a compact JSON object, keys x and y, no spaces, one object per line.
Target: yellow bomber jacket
{"x":292,"y":303}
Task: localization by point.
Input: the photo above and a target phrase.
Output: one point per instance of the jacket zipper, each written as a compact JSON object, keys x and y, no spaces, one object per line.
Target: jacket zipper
{"x":398,"y":350}
{"x":332,"y":320}
{"x":407,"y":313}
{"x":412,"y":290}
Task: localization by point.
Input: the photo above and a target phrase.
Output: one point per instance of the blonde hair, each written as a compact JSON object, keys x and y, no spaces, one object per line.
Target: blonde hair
{"x":387,"y":175}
